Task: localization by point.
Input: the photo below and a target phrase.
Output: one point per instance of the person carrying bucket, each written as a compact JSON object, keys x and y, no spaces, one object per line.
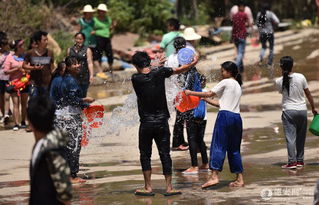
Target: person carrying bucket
{"x":228,"y":128}
{"x":294,"y":87}
{"x":149,"y":86}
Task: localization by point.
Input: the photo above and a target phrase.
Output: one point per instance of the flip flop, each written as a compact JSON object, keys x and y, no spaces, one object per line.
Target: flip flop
{"x":172,"y":193}
{"x":143,"y":192}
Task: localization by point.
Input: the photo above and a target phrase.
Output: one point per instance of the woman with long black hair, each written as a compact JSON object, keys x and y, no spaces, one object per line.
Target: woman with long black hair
{"x":294,"y":87}
{"x":228,"y":128}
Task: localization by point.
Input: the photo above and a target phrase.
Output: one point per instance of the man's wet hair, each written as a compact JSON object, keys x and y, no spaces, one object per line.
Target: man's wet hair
{"x":174,"y":22}
{"x":37,"y":36}
{"x":40,"y":113}
{"x":141,"y":60}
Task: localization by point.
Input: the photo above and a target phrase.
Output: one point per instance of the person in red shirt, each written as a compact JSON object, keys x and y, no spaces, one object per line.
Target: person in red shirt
{"x":239,"y":33}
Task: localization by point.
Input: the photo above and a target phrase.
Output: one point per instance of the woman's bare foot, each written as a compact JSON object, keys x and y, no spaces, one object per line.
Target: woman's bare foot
{"x":210,"y":182}
{"x":236,"y":184}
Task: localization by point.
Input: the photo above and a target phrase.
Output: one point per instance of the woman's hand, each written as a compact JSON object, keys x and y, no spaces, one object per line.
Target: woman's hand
{"x":187,"y":92}
{"x":93,"y":32}
{"x":314,"y":112}
{"x":91,"y":79}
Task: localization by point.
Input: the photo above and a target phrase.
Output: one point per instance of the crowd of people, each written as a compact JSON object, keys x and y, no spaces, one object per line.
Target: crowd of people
{"x":57,"y":96}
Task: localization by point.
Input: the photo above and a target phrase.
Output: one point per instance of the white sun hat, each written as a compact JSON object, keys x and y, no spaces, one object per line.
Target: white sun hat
{"x":102,"y":7}
{"x":88,"y":9}
{"x":190,"y":34}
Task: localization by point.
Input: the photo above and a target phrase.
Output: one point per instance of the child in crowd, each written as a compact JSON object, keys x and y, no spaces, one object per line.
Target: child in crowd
{"x":227,"y":133}
{"x":49,"y":171}
{"x":13,"y":68}
{"x":196,"y":131}
{"x":68,"y":114}
{"x":149,"y":86}
{"x":167,"y":44}
{"x":294,"y":87}
{"x":57,"y":78}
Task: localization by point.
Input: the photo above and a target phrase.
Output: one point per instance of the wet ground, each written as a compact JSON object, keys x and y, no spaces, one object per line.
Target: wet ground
{"x":263,"y":150}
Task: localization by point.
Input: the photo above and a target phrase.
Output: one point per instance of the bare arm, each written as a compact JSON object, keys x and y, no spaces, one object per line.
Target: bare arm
{"x":200,"y":94}
{"x":185,"y":68}
{"x":310,"y":99}
{"x":212,"y":102}
{"x":27,"y":66}
{"x":90,"y":64}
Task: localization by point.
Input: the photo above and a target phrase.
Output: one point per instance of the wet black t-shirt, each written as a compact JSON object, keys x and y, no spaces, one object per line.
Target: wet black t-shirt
{"x":150,"y":92}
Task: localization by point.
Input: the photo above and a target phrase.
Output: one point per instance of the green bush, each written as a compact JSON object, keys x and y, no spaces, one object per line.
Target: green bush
{"x":65,"y":41}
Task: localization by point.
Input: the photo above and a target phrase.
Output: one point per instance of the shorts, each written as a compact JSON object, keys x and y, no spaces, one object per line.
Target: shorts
{"x":95,"y":54}
{"x":3,"y":84}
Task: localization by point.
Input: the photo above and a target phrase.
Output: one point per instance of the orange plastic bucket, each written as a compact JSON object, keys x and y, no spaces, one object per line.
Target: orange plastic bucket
{"x":185,"y":103}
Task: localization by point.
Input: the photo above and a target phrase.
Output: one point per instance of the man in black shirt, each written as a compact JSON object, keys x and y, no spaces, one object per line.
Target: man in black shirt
{"x":149,"y":86}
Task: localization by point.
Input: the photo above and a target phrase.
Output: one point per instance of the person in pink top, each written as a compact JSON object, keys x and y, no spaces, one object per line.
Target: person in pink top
{"x":13,"y":68}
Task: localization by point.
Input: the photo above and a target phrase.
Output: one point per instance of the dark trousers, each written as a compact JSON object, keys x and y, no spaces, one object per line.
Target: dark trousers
{"x":73,"y":127}
{"x":227,"y":137}
{"x":195,"y":134}
{"x":161,"y":134}
{"x":264,"y":37}
{"x":178,"y":132}
{"x":104,"y":45}
{"x":84,"y":88}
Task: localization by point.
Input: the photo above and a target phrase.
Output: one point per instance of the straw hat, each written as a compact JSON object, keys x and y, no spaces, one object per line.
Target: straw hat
{"x":190,"y":34}
{"x":102,"y":7}
{"x":88,"y":9}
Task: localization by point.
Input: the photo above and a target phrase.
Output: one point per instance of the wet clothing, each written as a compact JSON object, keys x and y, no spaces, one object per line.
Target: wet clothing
{"x":42,"y":77}
{"x":161,"y":134}
{"x":239,"y":25}
{"x":195,"y":136}
{"x":154,"y":115}
{"x":69,"y":103}
{"x":150,"y":92}
{"x":227,"y":137}
{"x":87,"y":27}
{"x":102,"y":28}
{"x":55,"y":92}
{"x":83,"y":75}
{"x":266,"y":25}
{"x":295,"y":129}
{"x":49,"y":171}
{"x":168,"y":42}
{"x":266,"y":32}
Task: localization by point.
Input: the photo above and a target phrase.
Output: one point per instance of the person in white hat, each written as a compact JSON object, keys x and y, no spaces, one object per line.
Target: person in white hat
{"x":102,"y":31}
{"x":191,"y":36}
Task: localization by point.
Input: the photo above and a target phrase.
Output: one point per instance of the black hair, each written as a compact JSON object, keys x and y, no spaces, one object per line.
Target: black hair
{"x":14,"y":44}
{"x":32,"y":40}
{"x":241,"y":3}
{"x":80,"y":33}
{"x":174,"y":22}
{"x":37,"y":36}
{"x":58,"y":69}
{"x":232,"y":68}
{"x":263,"y":11}
{"x":141,"y":60}
{"x":179,"y":43}
{"x":40,"y":112}
{"x":70,"y":60}
{"x":286,"y":64}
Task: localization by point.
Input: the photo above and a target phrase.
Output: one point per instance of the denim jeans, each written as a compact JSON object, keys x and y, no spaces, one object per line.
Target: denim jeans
{"x":264,"y":37}
{"x":240,"y":44}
